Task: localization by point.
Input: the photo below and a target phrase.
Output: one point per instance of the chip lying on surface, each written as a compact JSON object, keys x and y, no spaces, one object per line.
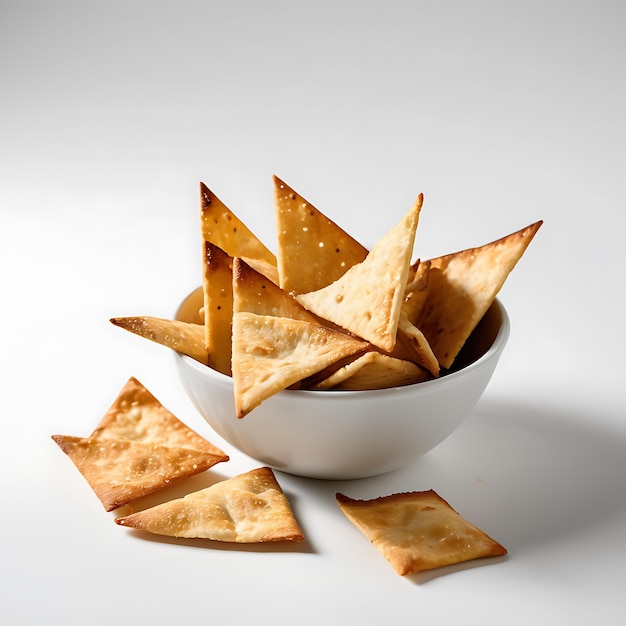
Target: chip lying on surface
{"x":418,"y":531}
{"x":138,"y":448}
{"x":249,"y":508}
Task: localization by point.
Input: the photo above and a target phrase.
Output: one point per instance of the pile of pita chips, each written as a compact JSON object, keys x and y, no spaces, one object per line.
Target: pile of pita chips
{"x":326,"y":313}
{"x":249,"y":508}
{"x":138,"y":448}
{"x":418,"y":531}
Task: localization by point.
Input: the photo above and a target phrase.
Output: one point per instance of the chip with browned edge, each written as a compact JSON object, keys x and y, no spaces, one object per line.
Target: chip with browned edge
{"x":137,"y":448}
{"x":462,"y":286}
{"x":183,"y":337}
{"x":249,"y":508}
{"x":223,"y":228}
{"x":373,"y":370}
{"x":217,"y":287}
{"x":418,"y":531}
{"x":255,"y":293}
{"x":313,"y":251}
{"x":272,"y":353}
{"x":368,"y":298}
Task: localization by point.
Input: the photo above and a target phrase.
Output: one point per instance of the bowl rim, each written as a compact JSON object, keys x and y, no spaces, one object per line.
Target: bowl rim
{"x":496,"y":347}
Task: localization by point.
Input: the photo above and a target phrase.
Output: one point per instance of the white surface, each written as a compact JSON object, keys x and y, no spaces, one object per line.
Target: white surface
{"x":500,"y":113}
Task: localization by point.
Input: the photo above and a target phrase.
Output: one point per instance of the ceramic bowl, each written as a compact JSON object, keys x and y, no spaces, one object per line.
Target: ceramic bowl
{"x":347,"y":434}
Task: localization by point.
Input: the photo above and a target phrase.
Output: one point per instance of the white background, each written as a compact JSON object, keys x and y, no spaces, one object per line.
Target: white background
{"x":501,"y":113}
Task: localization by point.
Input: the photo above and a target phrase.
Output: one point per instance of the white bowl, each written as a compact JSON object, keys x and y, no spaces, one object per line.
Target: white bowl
{"x":348,"y":434}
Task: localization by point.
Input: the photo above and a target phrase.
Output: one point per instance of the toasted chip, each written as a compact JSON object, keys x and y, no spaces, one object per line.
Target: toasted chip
{"x":418,"y":531}
{"x":122,"y":471}
{"x":217,"y":284}
{"x":136,"y":415}
{"x":416,"y":291}
{"x":462,"y":286}
{"x":416,"y":345}
{"x":373,"y":370}
{"x":367,"y":299}
{"x":272,"y":353}
{"x":312,"y":250}
{"x":183,"y":337}
{"x":137,"y":448}
{"x":255,"y":293}
{"x":223,"y":228}
{"x":249,"y":508}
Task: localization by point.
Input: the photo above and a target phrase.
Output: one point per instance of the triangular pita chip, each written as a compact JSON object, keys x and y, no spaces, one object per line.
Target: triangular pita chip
{"x":374,"y":370}
{"x":137,"y":448}
{"x":418,"y":531}
{"x":312,"y":250}
{"x":272,"y":353}
{"x":223,"y":228}
{"x":121,"y":471}
{"x":367,"y":299}
{"x":136,"y":415}
{"x":217,"y":285}
{"x":462,"y":287}
{"x":182,"y":337}
{"x":255,"y":293}
{"x":416,"y":291}
{"x":419,"y":351}
{"x":249,"y":508}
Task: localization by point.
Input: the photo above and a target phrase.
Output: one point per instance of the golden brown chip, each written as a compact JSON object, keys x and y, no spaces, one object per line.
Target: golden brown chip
{"x":223,"y":228}
{"x":416,"y":291}
{"x":418,"y":531}
{"x":272,"y":353}
{"x":249,"y":508}
{"x":312,"y":251}
{"x":183,"y":337}
{"x":373,"y":370}
{"x":217,"y":285}
{"x":121,"y":471}
{"x":462,"y":287}
{"x":254,"y":293}
{"x":418,"y":349}
{"x":136,"y":415}
{"x":137,"y":448}
{"x":367,"y":299}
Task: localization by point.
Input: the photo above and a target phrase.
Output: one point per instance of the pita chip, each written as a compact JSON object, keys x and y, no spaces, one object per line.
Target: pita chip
{"x":137,"y":448}
{"x":273,"y":353}
{"x":223,"y":228}
{"x":255,"y":293}
{"x":137,"y":415}
{"x":217,"y":285}
{"x":462,"y":287}
{"x":416,"y":291}
{"x":312,"y":250}
{"x":373,"y":370}
{"x":121,"y":471}
{"x":183,"y":337}
{"x":249,"y":508}
{"x":418,"y":531}
{"x":368,"y":298}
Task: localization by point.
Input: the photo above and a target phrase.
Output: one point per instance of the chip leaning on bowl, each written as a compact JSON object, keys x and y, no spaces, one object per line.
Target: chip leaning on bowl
{"x":330,"y":333}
